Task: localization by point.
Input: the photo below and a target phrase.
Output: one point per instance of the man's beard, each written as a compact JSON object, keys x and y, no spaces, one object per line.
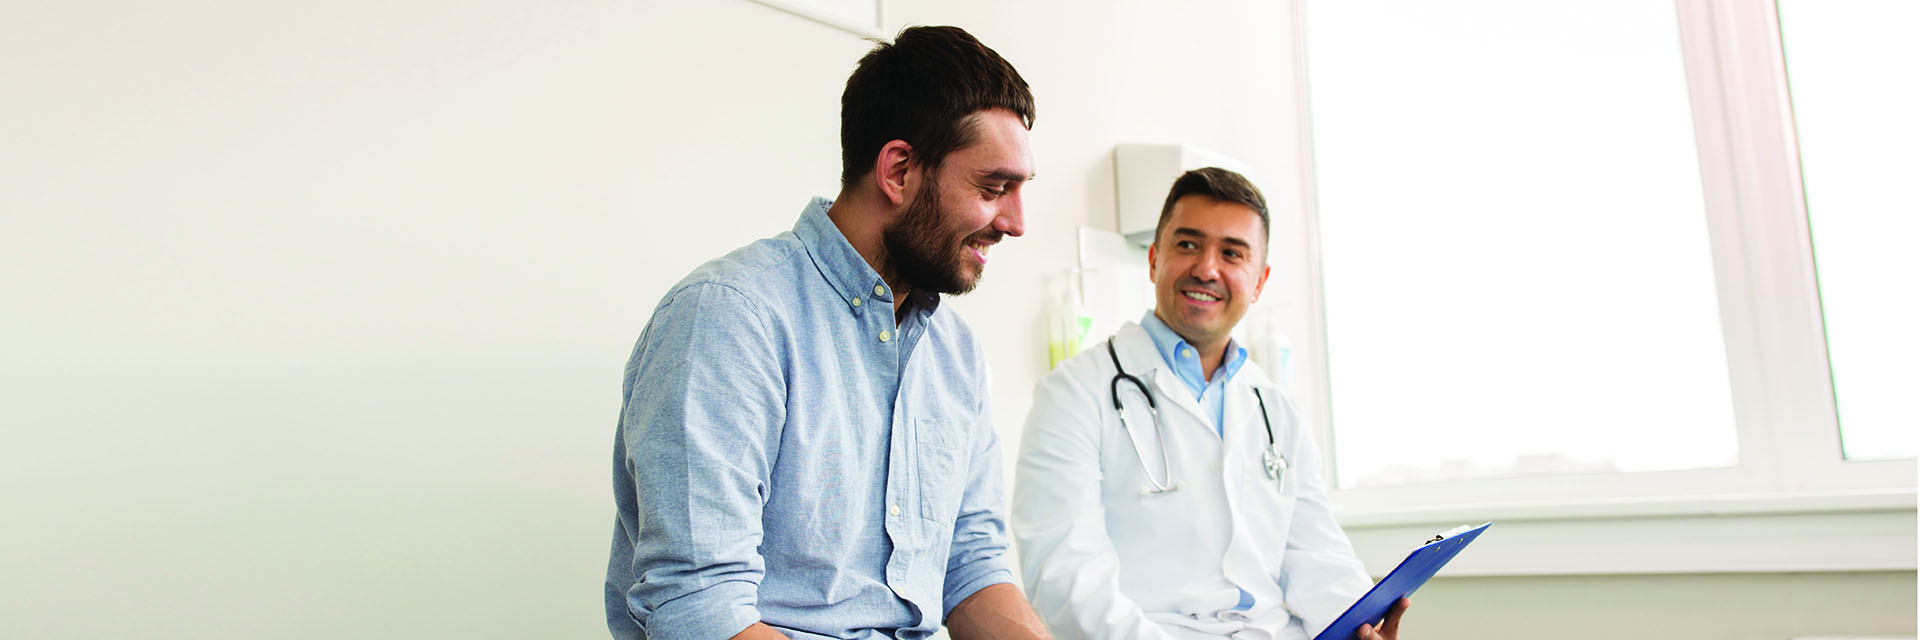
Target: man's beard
{"x":921,"y":251}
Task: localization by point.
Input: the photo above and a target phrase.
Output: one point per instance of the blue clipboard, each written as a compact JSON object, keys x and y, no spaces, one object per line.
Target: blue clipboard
{"x":1399,"y":583}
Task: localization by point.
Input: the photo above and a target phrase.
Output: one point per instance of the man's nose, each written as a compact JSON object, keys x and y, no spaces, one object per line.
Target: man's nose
{"x":1206,"y":268}
{"x":1012,"y":218}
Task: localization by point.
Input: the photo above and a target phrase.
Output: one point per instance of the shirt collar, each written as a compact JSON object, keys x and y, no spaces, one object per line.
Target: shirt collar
{"x":1180,"y":356}
{"x":845,"y":270}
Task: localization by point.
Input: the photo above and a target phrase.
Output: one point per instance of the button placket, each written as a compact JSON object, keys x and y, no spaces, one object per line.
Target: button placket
{"x":897,"y":485}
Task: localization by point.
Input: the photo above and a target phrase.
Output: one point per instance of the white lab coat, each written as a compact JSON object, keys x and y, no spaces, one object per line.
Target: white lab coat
{"x":1102,"y":559}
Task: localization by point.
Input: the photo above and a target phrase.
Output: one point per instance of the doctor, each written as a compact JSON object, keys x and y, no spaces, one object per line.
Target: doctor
{"x":1198,"y":509}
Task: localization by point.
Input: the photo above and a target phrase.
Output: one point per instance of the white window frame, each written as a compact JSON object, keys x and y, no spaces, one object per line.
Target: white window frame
{"x":1792,"y":503}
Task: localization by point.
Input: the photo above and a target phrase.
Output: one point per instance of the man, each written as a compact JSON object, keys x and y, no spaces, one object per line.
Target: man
{"x":1204,"y":515}
{"x":804,"y":447}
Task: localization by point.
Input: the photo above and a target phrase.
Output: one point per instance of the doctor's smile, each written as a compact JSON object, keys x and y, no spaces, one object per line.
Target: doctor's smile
{"x":1204,"y":297}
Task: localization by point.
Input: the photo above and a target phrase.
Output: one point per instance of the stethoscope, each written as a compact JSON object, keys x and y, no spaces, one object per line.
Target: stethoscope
{"x":1275,"y":463}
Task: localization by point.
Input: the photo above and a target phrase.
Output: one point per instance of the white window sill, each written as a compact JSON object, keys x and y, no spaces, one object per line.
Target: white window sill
{"x":1809,"y":532}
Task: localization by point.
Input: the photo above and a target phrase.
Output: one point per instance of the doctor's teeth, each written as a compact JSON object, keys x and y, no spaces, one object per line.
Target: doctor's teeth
{"x":1203,"y":297}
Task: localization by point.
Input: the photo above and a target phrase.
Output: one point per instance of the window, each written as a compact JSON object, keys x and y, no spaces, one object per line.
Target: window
{"x":1857,"y":134}
{"x":1517,"y":272}
{"x":1565,"y":257}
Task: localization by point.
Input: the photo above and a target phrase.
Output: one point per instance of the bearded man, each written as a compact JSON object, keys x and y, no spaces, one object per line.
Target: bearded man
{"x":804,"y":445}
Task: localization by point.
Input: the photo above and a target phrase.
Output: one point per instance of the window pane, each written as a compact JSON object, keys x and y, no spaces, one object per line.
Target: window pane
{"x":1855,"y":101}
{"x":1517,"y":272}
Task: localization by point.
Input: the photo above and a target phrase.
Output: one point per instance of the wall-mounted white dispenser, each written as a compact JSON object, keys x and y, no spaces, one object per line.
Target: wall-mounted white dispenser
{"x":1142,"y":174}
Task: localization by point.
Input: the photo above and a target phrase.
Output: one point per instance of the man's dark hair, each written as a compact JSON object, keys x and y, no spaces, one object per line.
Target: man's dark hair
{"x":922,"y":89}
{"x":1219,"y":184}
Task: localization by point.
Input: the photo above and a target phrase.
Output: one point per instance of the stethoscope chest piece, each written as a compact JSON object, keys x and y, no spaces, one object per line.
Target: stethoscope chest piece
{"x":1275,"y":463}
{"x":1272,"y":459}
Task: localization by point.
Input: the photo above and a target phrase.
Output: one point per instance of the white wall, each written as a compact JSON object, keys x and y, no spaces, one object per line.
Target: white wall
{"x":315,"y":313}
{"x":1729,"y":606}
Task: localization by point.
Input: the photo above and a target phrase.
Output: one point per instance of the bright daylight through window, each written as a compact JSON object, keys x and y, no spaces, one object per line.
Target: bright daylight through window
{"x":1858,"y":134}
{"x":1517,"y":272}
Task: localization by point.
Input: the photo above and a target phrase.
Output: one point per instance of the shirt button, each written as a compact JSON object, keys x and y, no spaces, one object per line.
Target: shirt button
{"x":856,"y":302}
{"x":879,"y":290}
{"x":893,"y":510}
{"x":886,"y":335}
{"x":1186,"y":353}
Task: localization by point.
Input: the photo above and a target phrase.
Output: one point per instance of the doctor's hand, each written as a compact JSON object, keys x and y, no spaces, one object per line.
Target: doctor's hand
{"x":1389,"y":628}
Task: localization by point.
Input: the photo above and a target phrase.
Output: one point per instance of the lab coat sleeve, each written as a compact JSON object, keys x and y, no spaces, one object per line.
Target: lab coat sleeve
{"x":1072,"y":572}
{"x":1320,"y":575}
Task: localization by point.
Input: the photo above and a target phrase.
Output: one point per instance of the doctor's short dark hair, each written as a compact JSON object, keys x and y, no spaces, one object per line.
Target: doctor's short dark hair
{"x":1219,"y":184}
{"x":923,"y":89}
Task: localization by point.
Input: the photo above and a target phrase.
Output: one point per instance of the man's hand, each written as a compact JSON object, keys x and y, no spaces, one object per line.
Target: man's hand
{"x":998,"y":611}
{"x":1389,"y":628}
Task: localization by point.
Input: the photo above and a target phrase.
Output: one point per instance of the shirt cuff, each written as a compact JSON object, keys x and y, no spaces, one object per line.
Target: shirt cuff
{"x":984,"y":577}
{"x":714,"y":613}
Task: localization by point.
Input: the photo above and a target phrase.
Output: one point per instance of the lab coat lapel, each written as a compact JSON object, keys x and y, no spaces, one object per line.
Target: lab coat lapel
{"x":1169,"y":386}
{"x":1243,"y":408}
{"x":1142,"y":359}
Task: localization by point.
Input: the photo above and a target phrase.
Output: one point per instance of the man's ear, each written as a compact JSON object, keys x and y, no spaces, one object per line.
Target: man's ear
{"x":1153,"y":262}
{"x":1265,"y":270}
{"x":893,"y":171}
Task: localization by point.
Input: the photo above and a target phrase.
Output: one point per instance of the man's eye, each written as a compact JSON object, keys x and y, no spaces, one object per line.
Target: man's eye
{"x":1186,"y":244}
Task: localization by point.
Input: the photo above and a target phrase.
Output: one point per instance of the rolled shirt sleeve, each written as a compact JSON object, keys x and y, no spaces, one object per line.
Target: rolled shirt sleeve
{"x":704,"y":407}
{"x":978,"y":557}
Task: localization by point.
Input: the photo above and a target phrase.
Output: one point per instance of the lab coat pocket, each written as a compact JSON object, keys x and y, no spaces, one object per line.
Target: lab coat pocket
{"x":943,"y":468}
{"x":1273,"y":510}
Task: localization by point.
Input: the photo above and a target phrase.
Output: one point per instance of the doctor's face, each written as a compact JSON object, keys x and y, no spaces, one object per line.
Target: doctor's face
{"x":1208,"y":264}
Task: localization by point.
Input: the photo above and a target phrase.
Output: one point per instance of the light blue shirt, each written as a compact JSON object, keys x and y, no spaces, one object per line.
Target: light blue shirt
{"x":1185,"y":362}
{"x":787,"y":454}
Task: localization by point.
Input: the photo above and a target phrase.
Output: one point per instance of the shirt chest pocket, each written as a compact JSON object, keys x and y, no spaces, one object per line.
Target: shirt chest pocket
{"x":943,"y":460}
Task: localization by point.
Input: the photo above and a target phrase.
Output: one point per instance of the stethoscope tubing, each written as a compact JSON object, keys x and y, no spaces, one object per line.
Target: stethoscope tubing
{"x":1274,"y":462}
{"x":1155,"y":487}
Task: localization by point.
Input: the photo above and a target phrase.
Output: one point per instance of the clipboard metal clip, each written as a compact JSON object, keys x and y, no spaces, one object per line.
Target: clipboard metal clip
{"x":1449,"y":533}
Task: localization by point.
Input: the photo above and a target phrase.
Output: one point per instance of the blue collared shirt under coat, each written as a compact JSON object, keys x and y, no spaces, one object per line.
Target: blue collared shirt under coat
{"x":1185,"y":363}
{"x":788,"y":454}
